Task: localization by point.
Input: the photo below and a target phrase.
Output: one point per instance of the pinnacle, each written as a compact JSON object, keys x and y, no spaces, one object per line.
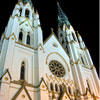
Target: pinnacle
{"x":25,"y":1}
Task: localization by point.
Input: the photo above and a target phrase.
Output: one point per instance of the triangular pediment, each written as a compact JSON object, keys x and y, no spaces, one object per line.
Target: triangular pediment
{"x":22,"y":93}
{"x":55,"y":42}
{"x":26,"y":23}
{"x":54,"y":48}
{"x":43,"y":85}
{"x":63,"y":96}
{"x":6,"y":76}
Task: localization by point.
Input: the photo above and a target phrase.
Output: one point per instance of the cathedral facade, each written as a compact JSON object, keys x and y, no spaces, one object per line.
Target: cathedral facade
{"x":59,"y":68}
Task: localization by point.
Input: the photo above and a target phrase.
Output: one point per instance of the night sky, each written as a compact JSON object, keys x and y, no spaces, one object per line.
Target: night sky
{"x":82,"y":14}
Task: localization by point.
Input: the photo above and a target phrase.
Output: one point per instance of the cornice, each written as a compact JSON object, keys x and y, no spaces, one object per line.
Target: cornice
{"x":39,"y":46}
{"x":24,"y":83}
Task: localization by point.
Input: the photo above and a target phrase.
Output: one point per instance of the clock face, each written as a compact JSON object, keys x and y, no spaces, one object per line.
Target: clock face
{"x":56,"y":68}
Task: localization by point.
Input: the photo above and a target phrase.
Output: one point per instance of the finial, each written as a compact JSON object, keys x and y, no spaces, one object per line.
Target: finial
{"x":78,"y":34}
{"x":66,"y":28}
{"x":36,"y":11}
{"x":52,"y":30}
{"x":57,"y":1}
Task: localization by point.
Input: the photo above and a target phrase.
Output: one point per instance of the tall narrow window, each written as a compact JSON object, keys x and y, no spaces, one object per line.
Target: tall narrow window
{"x":27,"y":13}
{"x":2,"y":39}
{"x":61,"y":35}
{"x":73,"y":37}
{"x":60,"y":86}
{"x":69,"y":89}
{"x":22,"y":74}
{"x":82,"y":60}
{"x":20,"y":11}
{"x":67,"y":48}
{"x":20,"y":36}
{"x":63,"y":41}
{"x":28,"y":39}
{"x":56,"y":87}
{"x":88,"y":85}
{"x":51,"y":87}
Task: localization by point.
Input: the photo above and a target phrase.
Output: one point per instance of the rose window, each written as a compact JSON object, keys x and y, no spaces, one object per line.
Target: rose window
{"x":56,"y":68}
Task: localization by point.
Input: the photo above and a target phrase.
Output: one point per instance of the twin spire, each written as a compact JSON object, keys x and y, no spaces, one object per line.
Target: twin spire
{"x":62,"y":18}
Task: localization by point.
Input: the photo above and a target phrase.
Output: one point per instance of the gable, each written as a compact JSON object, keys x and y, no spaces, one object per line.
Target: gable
{"x":22,"y":93}
{"x":53,"y":46}
{"x":6,"y":76}
{"x":54,"y":51}
{"x":53,"y":42}
{"x":25,"y":23}
{"x":63,"y":96}
{"x":43,"y":85}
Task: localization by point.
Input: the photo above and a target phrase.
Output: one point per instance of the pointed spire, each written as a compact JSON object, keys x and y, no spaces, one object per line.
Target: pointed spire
{"x":62,"y":18}
{"x":25,"y":1}
{"x":52,"y":30}
{"x":78,"y":34}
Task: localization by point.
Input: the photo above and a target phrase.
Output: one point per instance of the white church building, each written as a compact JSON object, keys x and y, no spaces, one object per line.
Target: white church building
{"x":59,"y":68}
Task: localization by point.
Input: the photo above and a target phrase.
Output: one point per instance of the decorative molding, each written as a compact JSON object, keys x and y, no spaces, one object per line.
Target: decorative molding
{"x":6,"y":78}
{"x":77,"y":62}
{"x":58,"y":55}
{"x":18,"y":42}
{"x":26,"y":19}
{"x":6,"y":71}
{"x":84,"y":48}
{"x":57,"y":40}
{"x":39,"y":46}
{"x":19,"y":91}
{"x":58,"y":80}
{"x":7,"y":38}
{"x":93,"y":67}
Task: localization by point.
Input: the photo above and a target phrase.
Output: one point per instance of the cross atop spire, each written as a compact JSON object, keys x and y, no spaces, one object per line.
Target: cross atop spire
{"x":62,"y":18}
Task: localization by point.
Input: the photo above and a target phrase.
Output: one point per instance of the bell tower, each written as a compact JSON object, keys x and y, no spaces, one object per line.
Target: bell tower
{"x":80,"y":59}
{"x":20,"y":45}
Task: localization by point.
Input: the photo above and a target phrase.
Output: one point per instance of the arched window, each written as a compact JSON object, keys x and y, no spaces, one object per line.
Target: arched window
{"x":2,"y":39}
{"x":20,"y":36}
{"x":63,"y":41}
{"x":20,"y":11}
{"x":73,"y":37}
{"x":88,"y":85}
{"x":28,"y":39}
{"x":56,"y":87}
{"x":82,"y":60}
{"x":69,"y":89}
{"x":22,"y":74}
{"x":61,"y":35}
{"x":60,"y":87}
{"x":67,"y":49}
{"x":27,"y":13}
{"x":51,"y":87}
